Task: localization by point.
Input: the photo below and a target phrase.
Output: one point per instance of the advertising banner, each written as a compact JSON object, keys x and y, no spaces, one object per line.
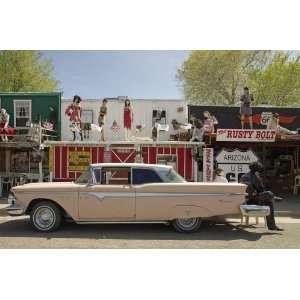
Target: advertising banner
{"x":229,"y":116}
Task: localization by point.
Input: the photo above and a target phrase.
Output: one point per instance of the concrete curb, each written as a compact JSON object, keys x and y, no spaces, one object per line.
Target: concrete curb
{"x":3,"y":212}
{"x":287,"y":214}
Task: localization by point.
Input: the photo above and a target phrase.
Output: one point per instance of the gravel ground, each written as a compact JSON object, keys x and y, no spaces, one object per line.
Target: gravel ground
{"x":17,"y":233}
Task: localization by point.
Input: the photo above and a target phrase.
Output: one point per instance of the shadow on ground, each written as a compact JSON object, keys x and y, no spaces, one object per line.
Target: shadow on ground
{"x":208,"y":231}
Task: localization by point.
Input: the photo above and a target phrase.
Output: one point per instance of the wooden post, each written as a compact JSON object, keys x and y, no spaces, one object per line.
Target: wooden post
{"x":40,"y":171}
{"x":7,"y":160}
{"x":195,"y":170}
{"x":40,"y":133}
{"x":264,"y":159}
{"x":41,"y":177}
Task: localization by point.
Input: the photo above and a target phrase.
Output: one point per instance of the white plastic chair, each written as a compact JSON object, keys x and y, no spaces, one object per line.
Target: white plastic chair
{"x":255,"y":211}
{"x":296,"y":184}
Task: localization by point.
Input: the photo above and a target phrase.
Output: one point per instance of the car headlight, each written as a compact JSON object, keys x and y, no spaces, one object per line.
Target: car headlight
{"x":11,"y":199}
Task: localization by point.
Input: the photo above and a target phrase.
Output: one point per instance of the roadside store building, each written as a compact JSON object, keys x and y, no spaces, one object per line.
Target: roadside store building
{"x":67,"y":159}
{"x":279,"y":155}
{"x":27,"y":108}
{"x":35,"y":117}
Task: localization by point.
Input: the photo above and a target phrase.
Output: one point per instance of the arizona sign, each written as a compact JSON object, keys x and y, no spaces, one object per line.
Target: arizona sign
{"x":246,"y":135}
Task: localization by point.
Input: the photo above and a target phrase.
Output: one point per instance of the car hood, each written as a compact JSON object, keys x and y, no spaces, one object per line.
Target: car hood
{"x":41,"y":186}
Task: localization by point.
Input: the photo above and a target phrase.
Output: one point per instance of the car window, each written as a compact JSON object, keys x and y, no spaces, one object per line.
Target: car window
{"x":85,"y":177}
{"x":169,"y":175}
{"x":141,"y":176}
{"x":113,"y":176}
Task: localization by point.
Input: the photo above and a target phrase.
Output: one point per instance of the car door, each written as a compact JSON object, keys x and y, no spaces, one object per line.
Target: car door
{"x":109,"y":198}
{"x":150,"y":202}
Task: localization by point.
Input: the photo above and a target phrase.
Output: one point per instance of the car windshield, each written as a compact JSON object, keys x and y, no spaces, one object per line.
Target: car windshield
{"x":84,"y":177}
{"x":169,"y":175}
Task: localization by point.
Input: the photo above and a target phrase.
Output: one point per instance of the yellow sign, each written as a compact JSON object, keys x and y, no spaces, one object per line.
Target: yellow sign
{"x":50,"y":161}
{"x":79,"y":160}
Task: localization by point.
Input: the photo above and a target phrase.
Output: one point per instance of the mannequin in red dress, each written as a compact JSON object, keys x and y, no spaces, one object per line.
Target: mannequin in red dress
{"x":128,"y":118}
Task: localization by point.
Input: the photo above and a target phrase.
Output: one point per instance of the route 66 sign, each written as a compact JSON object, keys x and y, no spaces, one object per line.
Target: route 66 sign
{"x":265,"y":117}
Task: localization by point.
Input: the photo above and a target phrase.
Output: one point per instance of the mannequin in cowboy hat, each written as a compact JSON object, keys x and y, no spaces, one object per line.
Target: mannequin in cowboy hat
{"x":73,"y":111}
{"x":257,"y":194}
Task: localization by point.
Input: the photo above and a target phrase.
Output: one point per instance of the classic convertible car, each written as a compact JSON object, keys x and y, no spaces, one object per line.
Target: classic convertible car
{"x":114,"y":193}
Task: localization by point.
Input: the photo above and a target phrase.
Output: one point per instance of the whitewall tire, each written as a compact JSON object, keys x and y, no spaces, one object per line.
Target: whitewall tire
{"x":45,"y":216}
{"x":187,"y":224}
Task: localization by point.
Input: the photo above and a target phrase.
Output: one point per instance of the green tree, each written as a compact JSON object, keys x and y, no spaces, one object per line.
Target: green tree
{"x":217,"y":77}
{"x":26,"y":71}
{"x":278,"y":83}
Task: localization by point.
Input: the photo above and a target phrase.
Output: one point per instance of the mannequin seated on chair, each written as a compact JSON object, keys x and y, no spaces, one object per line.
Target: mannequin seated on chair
{"x":257,"y":193}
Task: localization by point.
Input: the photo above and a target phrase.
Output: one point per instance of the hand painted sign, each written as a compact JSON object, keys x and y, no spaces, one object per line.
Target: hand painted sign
{"x":208,"y":164}
{"x":246,"y":135}
{"x":79,"y":160}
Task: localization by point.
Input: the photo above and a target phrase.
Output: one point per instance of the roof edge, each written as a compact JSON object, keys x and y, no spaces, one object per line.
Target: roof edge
{"x":30,"y":93}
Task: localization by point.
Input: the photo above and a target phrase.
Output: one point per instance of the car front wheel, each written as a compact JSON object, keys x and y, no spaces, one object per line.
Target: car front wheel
{"x":45,"y":216}
{"x":187,"y":224}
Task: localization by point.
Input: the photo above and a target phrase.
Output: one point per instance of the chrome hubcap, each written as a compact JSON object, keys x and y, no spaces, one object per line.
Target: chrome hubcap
{"x":187,"y":223}
{"x":44,"y":217}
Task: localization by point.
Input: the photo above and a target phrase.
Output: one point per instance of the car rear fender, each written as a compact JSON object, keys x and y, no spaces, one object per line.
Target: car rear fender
{"x":190,"y":211}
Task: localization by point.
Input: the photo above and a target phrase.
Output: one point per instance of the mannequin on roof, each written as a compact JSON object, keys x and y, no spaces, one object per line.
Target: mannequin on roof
{"x":73,"y":111}
{"x":128,"y":119}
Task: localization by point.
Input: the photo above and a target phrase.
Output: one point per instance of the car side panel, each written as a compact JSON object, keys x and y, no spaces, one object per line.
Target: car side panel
{"x":171,"y":201}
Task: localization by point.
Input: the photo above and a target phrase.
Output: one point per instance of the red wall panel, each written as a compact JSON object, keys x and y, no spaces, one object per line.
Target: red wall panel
{"x":184,"y":159}
{"x":180,"y":161}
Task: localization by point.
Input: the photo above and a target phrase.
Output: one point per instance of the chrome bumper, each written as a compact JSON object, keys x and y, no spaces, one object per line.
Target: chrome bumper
{"x":255,"y":210}
{"x":15,"y":210}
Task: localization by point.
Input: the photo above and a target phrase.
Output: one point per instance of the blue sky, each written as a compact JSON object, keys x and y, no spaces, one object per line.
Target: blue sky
{"x":137,"y":74}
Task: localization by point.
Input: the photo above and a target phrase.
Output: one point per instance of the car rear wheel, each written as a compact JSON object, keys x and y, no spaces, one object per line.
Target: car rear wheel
{"x":45,"y":216}
{"x":187,"y":224}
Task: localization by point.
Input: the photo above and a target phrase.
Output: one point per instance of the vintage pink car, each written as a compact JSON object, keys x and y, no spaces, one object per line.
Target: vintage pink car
{"x":126,"y":193}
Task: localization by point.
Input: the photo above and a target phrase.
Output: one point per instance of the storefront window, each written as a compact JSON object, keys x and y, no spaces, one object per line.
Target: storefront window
{"x":22,"y":113}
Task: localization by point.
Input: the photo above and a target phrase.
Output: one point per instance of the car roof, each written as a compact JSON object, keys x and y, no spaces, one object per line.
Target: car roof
{"x":130,"y":165}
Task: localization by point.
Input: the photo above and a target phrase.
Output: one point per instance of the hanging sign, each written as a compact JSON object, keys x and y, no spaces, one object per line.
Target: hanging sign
{"x":235,"y":163}
{"x":246,"y":135}
{"x":208,"y":164}
{"x":79,"y":160}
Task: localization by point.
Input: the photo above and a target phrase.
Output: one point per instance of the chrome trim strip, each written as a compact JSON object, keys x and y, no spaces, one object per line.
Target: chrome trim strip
{"x":102,"y":195}
{"x":122,"y":222}
{"x":187,"y":194}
